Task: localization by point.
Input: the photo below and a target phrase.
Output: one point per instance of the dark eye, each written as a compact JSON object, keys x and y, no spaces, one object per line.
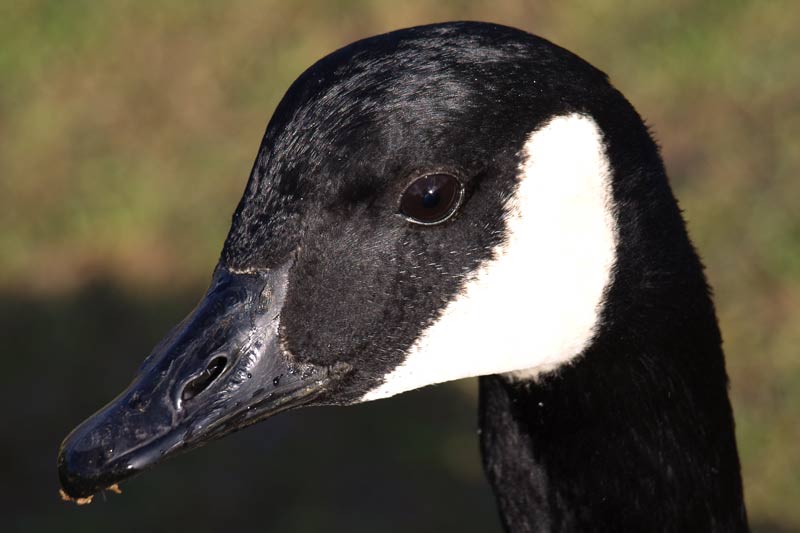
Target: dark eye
{"x":431,"y":199}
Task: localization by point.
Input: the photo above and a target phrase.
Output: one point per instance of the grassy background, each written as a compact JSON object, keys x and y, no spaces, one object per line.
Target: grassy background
{"x":127,"y":130}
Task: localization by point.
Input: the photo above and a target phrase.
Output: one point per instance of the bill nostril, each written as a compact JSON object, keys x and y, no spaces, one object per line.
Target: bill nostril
{"x":200,"y":383}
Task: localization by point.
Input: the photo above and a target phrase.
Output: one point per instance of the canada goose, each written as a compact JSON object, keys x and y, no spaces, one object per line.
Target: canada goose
{"x":455,"y":200}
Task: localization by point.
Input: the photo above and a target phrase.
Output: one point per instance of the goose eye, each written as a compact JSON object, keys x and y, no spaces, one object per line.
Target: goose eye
{"x":431,"y":199}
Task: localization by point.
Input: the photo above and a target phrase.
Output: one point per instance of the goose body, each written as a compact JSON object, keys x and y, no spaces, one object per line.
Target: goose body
{"x":448,"y":201}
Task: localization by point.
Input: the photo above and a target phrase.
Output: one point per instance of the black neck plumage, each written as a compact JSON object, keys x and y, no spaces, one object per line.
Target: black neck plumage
{"x":636,"y":434}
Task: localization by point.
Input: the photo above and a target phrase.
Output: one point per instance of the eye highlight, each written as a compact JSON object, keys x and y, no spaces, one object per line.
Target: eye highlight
{"x":431,"y":199}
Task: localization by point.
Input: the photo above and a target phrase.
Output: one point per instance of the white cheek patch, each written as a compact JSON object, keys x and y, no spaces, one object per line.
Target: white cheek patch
{"x":536,"y":304}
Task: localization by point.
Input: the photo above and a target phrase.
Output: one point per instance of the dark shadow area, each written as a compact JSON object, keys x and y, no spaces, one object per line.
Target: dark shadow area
{"x":406,"y":464}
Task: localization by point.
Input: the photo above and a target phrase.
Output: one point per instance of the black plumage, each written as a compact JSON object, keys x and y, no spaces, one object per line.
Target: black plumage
{"x":635,"y":434}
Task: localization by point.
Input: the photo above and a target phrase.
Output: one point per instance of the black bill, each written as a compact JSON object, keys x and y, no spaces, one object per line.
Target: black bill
{"x":221,"y":369}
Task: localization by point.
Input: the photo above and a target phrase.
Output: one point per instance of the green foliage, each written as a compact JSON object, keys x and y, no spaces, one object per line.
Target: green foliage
{"x":127,"y":131}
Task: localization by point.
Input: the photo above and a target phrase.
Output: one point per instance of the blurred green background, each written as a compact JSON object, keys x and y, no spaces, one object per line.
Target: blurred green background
{"x":127,"y":131}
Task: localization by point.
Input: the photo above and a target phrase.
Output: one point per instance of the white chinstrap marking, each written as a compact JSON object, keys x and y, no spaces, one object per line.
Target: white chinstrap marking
{"x":536,"y":304}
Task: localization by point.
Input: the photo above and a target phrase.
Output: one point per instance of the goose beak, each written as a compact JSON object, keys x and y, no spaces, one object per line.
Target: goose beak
{"x":220,"y":370}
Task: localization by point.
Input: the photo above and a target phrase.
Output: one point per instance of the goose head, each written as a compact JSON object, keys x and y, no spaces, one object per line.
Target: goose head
{"x":426,"y":205}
